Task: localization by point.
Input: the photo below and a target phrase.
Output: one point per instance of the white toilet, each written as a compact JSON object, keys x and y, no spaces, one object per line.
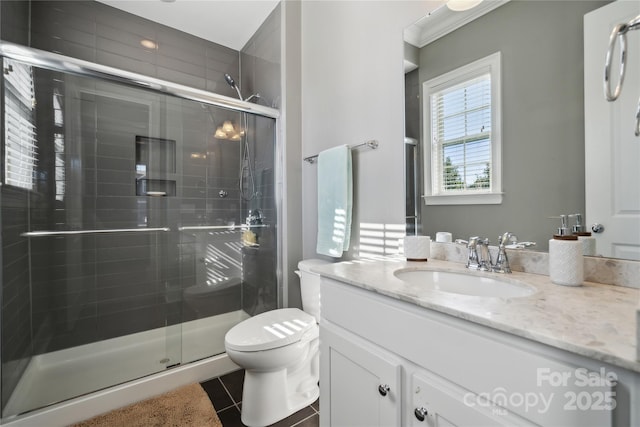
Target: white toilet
{"x":279,"y":352}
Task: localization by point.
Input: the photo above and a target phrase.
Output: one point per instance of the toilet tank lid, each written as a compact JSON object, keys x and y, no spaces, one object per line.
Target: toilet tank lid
{"x":307,"y":264}
{"x":269,"y":330}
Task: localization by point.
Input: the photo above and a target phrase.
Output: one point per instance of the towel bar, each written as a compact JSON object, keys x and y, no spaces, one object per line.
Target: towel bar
{"x":373,"y":144}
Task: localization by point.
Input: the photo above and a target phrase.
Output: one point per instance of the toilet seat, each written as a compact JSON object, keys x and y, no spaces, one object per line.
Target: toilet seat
{"x":272,"y":329}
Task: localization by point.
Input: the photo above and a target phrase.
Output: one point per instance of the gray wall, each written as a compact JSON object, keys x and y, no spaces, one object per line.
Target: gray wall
{"x":99,"y":33}
{"x":260,"y":69}
{"x":542,"y":116}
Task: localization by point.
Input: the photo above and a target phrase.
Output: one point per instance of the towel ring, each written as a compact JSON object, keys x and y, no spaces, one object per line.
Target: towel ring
{"x":637,"y":131}
{"x":620,"y":31}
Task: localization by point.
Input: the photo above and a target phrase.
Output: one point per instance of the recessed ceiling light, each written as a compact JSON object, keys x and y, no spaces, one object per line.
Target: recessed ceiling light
{"x":149,"y":44}
{"x":462,"y":5}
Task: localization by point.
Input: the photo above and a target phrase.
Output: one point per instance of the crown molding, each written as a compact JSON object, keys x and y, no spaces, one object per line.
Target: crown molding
{"x":442,"y":21}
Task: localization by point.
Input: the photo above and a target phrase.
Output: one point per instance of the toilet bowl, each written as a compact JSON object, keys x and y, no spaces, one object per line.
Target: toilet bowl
{"x":279,"y":351}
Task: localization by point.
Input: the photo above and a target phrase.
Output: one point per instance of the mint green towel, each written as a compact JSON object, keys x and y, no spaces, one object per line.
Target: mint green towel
{"x":335,"y":199}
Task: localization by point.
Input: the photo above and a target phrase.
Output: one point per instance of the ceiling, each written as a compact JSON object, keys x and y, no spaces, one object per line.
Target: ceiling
{"x":230,"y":23}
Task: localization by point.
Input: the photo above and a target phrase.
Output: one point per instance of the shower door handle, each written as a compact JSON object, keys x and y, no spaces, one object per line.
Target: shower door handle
{"x":74,"y":232}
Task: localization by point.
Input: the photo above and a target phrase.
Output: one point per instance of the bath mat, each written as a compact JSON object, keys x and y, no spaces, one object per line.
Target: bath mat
{"x":187,"y":406}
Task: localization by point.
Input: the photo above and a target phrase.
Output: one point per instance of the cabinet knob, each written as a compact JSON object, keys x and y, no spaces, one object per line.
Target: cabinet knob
{"x":383,"y":389}
{"x":597,"y":228}
{"x":420,"y":413}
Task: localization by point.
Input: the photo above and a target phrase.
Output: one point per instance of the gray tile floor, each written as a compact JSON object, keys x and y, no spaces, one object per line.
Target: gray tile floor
{"x":225,"y":393}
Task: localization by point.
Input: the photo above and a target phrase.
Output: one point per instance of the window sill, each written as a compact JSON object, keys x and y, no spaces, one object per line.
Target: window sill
{"x":466,"y":199}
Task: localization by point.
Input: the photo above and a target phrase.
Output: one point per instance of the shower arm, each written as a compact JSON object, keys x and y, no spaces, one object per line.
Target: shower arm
{"x":238,"y":90}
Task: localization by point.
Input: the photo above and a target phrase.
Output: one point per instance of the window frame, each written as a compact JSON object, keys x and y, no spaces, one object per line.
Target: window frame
{"x":487,"y":65}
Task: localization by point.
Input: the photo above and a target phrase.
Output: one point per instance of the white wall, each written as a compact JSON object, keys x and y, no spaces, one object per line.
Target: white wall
{"x":352,"y":91}
{"x":290,"y":134}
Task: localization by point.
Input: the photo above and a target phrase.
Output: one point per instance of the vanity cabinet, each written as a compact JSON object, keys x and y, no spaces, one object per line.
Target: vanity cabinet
{"x":364,"y":387}
{"x":388,"y":362}
{"x":363,"y":382}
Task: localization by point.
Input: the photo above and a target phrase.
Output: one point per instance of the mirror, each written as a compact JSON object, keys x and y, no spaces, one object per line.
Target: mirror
{"x":543,"y":136}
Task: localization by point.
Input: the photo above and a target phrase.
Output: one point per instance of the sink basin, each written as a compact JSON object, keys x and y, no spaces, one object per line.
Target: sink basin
{"x":465,"y":284}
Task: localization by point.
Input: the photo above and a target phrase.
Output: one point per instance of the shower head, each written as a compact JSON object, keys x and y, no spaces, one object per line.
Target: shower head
{"x":233,"y":84}
{"x":230,"y":80}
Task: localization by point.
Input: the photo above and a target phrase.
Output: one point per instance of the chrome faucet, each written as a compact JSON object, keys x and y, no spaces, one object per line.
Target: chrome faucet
{"x":479,"y":257}
{"x":472,"y":260}
{"x":484,"y":256}
{"x":502,"y":261}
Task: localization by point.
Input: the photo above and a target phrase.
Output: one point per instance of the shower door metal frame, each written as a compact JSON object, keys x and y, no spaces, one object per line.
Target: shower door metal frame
{"x":54,"y":61}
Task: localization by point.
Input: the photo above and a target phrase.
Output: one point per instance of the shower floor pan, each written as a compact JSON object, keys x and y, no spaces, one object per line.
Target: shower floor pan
{"x":57,"y":376}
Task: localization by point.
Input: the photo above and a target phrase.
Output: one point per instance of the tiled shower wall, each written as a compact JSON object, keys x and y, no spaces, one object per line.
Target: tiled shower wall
{"x":122,"y":284}
{"x":14,"y":206}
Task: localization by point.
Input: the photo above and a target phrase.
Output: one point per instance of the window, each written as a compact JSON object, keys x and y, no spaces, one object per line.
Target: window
{"x":462,"y":125}
{"x":19,"y":130}
{"x":58,"y":143}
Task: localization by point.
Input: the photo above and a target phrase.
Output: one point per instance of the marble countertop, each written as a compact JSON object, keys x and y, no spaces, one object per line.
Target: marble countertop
{"x":594,"y":320}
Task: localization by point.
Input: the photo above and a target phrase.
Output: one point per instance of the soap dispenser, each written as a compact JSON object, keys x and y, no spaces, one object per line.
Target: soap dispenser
{"x":566,"y":262}
{"x":585,"y":237}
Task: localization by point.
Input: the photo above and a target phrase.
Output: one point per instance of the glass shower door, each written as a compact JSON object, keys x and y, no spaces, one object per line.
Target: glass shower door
{"x":227,"y":223}
{"x":137,"y":228}
{"x":89,"y":173}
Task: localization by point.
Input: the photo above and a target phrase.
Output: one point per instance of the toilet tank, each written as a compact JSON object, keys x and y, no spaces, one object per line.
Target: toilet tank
{"x":310,"y":286}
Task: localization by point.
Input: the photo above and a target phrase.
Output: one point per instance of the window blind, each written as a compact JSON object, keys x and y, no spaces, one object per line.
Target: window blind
{"x":59,"y":145}
{"x":461,"y":137}
{"x":21,"y":152}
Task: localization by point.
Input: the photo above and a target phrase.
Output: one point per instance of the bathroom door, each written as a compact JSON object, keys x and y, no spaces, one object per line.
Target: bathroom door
{"x":612,"y":151}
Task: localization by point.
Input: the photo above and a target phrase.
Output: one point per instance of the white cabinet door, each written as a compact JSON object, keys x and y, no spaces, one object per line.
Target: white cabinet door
{"x":612,"y":151}
{"x":441,"y":403}
{"x":360,"y":382}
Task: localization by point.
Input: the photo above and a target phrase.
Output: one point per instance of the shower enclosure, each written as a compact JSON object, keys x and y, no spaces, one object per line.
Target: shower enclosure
{"x":139,"y":223}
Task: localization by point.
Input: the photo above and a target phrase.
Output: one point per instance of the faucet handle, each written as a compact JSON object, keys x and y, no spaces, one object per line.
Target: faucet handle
{"x":507,"y":238}
{"x":473,"y":260}
{"x":484,"y":255}
{"x":502,"y":261}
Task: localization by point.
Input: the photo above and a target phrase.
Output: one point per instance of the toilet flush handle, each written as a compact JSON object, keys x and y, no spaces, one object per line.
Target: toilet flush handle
{"x":298,"y":273}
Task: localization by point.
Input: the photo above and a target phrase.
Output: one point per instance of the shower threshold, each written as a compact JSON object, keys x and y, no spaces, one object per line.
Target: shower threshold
{"x":54,"y":377}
